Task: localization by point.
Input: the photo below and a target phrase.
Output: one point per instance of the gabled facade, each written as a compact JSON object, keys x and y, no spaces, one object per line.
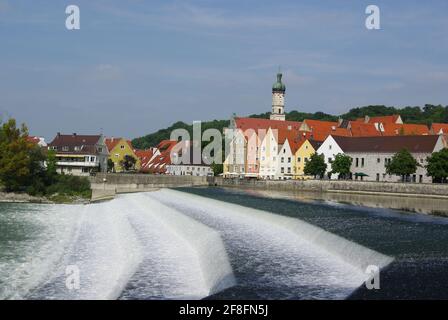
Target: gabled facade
{"x":119,"y":148}
{"x":269,"y":156}
{"x":302,"y":155}
{"x":329,"y":149}
{"x":285,"y":162}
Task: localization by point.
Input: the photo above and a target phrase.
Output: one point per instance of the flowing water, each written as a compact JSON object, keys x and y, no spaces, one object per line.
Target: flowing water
{"x":177,"y":245}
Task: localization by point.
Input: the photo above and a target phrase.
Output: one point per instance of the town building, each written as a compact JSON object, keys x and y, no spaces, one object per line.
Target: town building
{"x":302,"y":155}
{"x":185,"y":164}
{"x":370,"y":154}
{"x":79,"y":154}
{"x":118,"y":149}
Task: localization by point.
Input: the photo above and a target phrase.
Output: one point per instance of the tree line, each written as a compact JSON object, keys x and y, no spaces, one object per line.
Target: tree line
{"x":427,"y":114}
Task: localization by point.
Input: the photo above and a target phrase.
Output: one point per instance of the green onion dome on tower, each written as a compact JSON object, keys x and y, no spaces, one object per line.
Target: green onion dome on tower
{"x":279,"y":86}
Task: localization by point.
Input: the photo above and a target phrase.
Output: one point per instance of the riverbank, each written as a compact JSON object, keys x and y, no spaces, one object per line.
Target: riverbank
{"x":413,"y":190}
{"x":12,"y":197}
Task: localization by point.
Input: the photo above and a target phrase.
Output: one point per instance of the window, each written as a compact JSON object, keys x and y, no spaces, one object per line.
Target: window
{"x":117,"y":155}
{"x":122,"y":147}
{"x":100,"y":149}
{"x":284,"y":150}
{"x":64,"y":148}
{"x":289,"y":159}
{"x":330,"y":160}
{"x":289,"y":170}
{"x":282,"y":160}
{"x":378,"y":160}
{"x":329,"y":147}
{"x":299,"y":159}
{"x":283,"y":170}
{"x":362,"y":162}
{"x":92,"y":159}
{"x":357,"y":162}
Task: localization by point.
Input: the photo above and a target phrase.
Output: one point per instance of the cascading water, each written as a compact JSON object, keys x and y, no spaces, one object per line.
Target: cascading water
{"x":279,"y":257}
{"x":128,"y":248}
{"x":173,"y":245}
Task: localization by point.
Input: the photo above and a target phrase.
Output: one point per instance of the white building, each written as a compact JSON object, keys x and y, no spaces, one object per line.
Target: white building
{"x":285,"y":168}
{"x":79,"y":155}
{"x":269,"y":155}
{"x":370,"y":154}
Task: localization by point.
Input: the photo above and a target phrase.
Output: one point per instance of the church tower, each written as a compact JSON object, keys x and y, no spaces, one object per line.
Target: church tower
{"x":278,"y":99}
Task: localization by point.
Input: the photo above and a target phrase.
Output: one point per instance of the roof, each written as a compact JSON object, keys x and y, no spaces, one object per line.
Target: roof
{"x":362,"y":129}
{"x":112,"y":142}
{"x":320,"y":130}
{"x":392,"y":129}
{"x":315,"y":144}
{"x":382,"y":119}
{"x":258,"y":123}
{"x":392,"y":144}
{"x":33,"y":139}
{"x":85,"y":143}
{"x":436,"y":128}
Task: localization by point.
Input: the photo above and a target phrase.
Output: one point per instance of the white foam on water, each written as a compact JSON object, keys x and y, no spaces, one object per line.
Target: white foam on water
{"x":191,"y":259}
{"x":49,"y":230}
{"x":106,"y":252}
{"x":301,"y":254}
{"x":131,"y":248}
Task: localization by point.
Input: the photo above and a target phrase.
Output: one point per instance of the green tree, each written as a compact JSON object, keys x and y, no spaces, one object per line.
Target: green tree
{"x":437,"y":166}
{"x":110,"y":165}
{"x":217,"y":168}
{"x":341,"y":165}
{"x":315,"y":166}
{"x":51,"y":163}
{"x":128,"y":163}
{"x":402,"y":164}
{"x":15,"y":156}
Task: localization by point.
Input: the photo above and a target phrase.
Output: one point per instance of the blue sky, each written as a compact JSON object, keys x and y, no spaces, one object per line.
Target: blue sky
{"x":137,"y":66}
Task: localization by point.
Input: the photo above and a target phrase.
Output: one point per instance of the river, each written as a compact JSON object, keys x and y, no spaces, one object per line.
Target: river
{"x":217,"y":243}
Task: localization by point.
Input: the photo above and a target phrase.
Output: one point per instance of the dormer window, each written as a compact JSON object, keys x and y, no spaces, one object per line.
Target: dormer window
{"x":65,"y":148}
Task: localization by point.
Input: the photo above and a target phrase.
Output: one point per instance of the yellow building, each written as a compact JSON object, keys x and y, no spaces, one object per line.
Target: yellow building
{"x":302,"y":155}
{"x":118,"y":149}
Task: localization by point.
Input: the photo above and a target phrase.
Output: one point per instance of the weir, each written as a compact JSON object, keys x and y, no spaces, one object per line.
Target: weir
{"x":356,"y":255}
{"x":207,"y":244}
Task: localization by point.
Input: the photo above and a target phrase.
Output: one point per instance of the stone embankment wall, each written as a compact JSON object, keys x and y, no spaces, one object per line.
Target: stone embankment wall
{"x":105,"y":186}
{"x":361,"y":187}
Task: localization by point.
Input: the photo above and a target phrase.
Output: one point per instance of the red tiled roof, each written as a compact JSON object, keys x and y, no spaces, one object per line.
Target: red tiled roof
{"x":381,"y":119}
{"x":112,"y":142}
{"x":257,"y":123}
{"x":437,"y":127}
{"x":362,"y":129}
{"x":392,"y":129}
{"x":33,"y":139}
{"x":320,"y":130}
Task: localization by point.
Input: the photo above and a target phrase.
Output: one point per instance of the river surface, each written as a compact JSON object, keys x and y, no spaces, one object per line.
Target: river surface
{"x":217,"y":243}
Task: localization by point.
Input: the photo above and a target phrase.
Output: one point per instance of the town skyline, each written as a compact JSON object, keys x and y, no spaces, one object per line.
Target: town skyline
{"x":134,"y":70}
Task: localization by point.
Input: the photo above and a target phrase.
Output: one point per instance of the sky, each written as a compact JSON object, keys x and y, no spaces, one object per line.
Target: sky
{"x":138,"y":66}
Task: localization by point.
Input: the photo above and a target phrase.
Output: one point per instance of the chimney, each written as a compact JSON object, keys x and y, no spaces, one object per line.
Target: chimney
{"x":74,"y":134}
